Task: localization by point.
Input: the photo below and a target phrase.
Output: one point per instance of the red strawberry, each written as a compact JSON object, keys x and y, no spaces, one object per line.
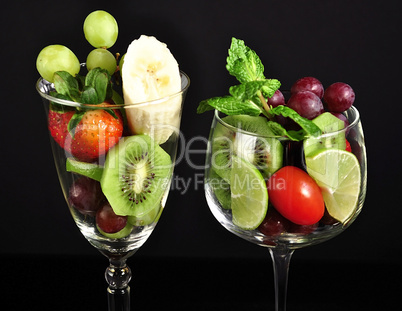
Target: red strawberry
{"x":95,"y":134}
{"x":58,"y":124}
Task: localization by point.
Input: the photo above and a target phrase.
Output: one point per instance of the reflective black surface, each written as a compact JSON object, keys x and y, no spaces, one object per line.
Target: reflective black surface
{"x":76,"y":283}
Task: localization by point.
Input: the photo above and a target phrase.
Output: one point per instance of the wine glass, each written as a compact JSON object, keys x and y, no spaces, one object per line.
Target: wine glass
{"x":117,"y":198}
{"x":255,"y":161}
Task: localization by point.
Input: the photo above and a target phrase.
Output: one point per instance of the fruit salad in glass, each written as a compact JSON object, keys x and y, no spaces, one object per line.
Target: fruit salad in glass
{"x":114,"y":124}
{"x":284,"y":169}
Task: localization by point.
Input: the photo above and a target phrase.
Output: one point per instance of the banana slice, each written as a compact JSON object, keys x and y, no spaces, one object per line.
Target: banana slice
{"x":150,"y":72}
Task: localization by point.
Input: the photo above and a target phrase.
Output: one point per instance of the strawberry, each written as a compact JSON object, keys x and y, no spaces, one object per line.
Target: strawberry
{"x":85,"y":134}
{"x":96,"y":132}
{"x":92,"y":132}
{"x":58,"y":125}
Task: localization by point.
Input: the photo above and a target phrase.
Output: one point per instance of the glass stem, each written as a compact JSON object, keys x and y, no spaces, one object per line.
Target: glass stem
{"x":118,"y":275}
{"x":281,"y":259}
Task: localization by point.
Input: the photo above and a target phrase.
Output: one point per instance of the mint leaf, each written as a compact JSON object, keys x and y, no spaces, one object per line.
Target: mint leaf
{"x":112,"y":113}
{"x":89,"y":96}
{"x":243,"y":63}
{"x":91,"y":76}
{"x":205,"y":106}
{"x":65,"y":84}
{"x":81,"y":81}
{"x":279,"y":130}
{"x":270,"y":87}
{"x":307,"y":125}
{"x":72,"y":124}
{"x":59,"y":96}
{"x":102,"y":86}
{"x":248,"y":90}
{"x":230,"y":105}
{"x":99,"y":79}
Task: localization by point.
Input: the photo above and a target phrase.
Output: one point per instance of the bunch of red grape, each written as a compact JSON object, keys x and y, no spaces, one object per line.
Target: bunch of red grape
{"x":310,"y":99}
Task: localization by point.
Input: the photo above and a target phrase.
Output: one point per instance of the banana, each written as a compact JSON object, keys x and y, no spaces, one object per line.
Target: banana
{"x":151,"y":73}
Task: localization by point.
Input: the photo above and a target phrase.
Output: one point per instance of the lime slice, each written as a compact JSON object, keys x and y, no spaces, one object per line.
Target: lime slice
{"x":249,"y":194}
{"x":337,"y":172}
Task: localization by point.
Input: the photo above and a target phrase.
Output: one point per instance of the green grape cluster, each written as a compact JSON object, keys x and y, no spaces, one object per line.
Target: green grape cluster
{"x":100,"y":30}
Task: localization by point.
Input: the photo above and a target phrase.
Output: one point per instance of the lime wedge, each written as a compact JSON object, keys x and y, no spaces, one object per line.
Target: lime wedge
{"x":337,"y":172}
{"x":249,"y":194}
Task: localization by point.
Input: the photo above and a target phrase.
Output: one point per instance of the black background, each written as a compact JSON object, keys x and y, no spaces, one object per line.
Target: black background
{"x":357,"y":42}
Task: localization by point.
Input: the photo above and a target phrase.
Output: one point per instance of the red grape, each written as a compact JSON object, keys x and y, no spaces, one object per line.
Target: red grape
{"x":302,"y":229}
{"x":339,"y":97}
{"x":108,"y":221}
{"x":340,"y":116}
{"x":86,"y":195}
{"x":306,"y":104}
{"x":274,"y":223}
{"x":277,"y":99}
{"x":327,"y":219}
{"x":308,"y":84}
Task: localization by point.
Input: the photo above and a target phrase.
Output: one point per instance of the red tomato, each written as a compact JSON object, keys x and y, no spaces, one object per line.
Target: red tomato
{"x":296,"y":196}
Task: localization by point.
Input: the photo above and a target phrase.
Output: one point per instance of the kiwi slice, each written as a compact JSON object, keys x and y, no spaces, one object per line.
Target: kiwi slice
{"x":254,"y":124}
{"x":136,"y":174}
{"x":327,"y":123}
{"x":90,"y":170}
{"x":268,"y":155}
{"x":117,"y":235}
{"x":264,"y":152}
{"x":147,"y":219}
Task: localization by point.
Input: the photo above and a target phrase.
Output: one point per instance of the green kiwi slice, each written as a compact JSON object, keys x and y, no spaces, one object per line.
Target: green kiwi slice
{"x":90,"y":170}
{"x":117,"y":235}
{"x":266,"y":153}
{"x":136,"y":174}
{"x":147,"y":219}
{"x":327,"y":123}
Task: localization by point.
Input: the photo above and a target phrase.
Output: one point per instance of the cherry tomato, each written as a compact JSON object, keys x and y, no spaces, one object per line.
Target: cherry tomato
{"x":296,"y":196}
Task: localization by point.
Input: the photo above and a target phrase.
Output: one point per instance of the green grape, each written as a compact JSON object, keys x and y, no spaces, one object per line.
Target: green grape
{"x":101,"y":58}
{"x":56,"y":58}
{"x":100,"y":29}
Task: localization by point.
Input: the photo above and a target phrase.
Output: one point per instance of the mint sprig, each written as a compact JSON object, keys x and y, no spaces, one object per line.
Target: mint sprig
{"x":250,"y":96}
{"x":94,"y":89}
